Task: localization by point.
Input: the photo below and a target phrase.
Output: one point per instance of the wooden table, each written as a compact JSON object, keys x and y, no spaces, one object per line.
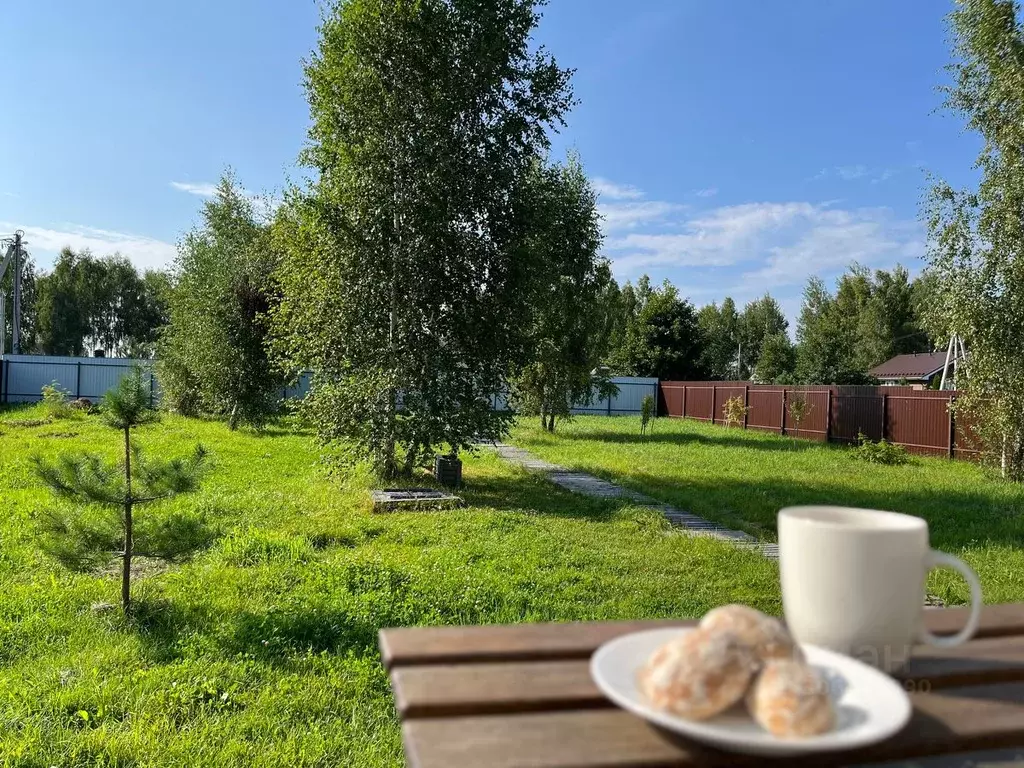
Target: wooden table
{"x":522,"y":695}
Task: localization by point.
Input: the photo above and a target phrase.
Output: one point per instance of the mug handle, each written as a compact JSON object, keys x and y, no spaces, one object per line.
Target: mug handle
{"x":937,"y":559}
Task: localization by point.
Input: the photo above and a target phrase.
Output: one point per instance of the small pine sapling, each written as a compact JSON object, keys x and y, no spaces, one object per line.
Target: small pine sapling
{"x":81,"y":541}
{"x":646,"y":413}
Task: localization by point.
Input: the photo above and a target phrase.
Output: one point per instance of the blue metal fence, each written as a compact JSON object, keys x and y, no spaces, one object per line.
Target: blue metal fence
{"x":22,"y":378}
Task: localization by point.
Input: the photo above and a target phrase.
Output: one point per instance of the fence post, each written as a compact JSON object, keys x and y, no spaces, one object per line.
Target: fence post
{"x":683,"y":414}
{"x":828,"y":415}
{"x":746,"y":403}
{"x":151,"y":380}
{"x":952,"y":425}
{"x":885,"y":414}
{"x":609,"y":405}
{"x":714,"y":392}
{"x":782,"y":424}
{"x":78,"y":379}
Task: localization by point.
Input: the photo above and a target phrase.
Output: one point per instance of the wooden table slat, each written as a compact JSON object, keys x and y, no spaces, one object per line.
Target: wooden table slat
{"x":514,"y":695}
{"x":448,"y":645}
{"x":948,"y":721}
{"x":497,"y":642}
{"x":445,"y":690}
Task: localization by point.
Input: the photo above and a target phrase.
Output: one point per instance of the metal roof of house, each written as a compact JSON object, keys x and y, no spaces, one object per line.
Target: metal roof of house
{"x":916,"y":366}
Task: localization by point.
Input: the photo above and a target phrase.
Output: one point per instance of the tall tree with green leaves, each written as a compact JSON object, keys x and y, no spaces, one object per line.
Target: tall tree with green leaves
{"x":408,"y":268}
{"x":977,"y":235}
{"x":568,"y":331}
{"x":777,"y":362}
{"x":224,"y":288}
{"x":760,"y":319}
{"x":664,"y":339}
{"x":89,"y":303}
{"x":81,"y":540}
{"x":888,"y":324}
{"x":826,"y":337}
{"x":720,"y":327}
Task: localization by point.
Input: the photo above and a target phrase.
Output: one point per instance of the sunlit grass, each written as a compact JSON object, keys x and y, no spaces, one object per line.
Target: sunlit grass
{"x":741,"y":478}
{"x":262,"y":650}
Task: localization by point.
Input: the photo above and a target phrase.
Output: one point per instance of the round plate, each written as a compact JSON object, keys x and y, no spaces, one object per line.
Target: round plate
{"x":870,"y":706}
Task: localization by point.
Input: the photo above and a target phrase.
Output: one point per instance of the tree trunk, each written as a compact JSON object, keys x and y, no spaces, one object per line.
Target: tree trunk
{"x":543,"y":419}
{"x":411,"y":454}
{"x":233,"y":418}
{"x":126,"y":561}
{"x":551,"y":423}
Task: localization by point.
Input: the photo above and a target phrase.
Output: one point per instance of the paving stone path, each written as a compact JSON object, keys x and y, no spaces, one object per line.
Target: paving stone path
{"x":595,"y":487}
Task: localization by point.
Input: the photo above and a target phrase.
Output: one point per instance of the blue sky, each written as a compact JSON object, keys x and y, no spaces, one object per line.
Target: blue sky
{"x":738,"y":147}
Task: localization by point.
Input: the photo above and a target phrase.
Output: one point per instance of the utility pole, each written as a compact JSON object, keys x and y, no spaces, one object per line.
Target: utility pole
{"x":739,"y":362}
{"x":16,"y":315}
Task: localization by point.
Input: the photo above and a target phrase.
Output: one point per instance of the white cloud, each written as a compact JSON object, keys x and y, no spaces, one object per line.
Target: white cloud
{"x":9,"y":194}
{"x":612,"y":191}
{"x":707,"y":192}
{"x":144,"y":252}
{"x":263,"y":204}
{"x":620,"y":216}
{"x":720,"y":237}
{"x":203,"y":189}
{"x":747,"y":249}
{"x":856,"y":173}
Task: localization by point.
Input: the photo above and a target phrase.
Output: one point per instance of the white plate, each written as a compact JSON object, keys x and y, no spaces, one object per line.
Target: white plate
{"x":870,"y":706}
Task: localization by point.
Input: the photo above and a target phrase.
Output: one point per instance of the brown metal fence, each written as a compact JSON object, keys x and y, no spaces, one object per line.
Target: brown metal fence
{"x":920,"y":420}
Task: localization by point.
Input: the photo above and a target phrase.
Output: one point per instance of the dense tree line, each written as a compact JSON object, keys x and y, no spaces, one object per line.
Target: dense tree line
{"x":88,"y":303}
{"x":840,"y":335}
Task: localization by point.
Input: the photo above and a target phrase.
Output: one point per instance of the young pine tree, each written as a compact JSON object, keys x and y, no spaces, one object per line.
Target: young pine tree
{"x":80,"y":540}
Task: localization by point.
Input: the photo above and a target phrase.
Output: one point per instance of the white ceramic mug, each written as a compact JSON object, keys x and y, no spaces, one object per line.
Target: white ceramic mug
{"x":853,"y":580}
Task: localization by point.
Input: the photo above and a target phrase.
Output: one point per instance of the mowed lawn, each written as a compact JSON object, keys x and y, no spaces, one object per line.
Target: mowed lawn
{"x":262,"y":650}
{"x":741,"y":478}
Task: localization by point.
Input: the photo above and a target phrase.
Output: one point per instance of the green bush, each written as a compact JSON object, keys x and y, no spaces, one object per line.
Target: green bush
{"x":56,"y":402}
{"x":882,"y":452}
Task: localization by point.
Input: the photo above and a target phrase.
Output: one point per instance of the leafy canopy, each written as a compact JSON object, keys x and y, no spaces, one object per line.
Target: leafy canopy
{"x":976,"y":236}
{"x":214,"y":354}
{"x":408,"y":270}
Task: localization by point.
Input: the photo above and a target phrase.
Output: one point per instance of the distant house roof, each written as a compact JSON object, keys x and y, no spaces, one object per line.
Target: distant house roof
{"x":917,"y":366}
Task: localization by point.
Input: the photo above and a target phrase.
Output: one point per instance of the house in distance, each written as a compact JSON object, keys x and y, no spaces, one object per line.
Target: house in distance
{"x":918,"y":370}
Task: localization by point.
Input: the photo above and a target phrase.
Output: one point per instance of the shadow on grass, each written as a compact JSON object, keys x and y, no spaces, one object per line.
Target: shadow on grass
{"x":759,"y":441}
{"x":524,"y":491}
{"x":956,"y":518}
{"x":273,"y":636}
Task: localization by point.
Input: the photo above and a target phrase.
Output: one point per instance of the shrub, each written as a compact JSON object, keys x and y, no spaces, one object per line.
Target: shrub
{"x":646,"y":413}
{"x":56,"y":402}
{"x":734,"y":411}
{"x":882,"y":452}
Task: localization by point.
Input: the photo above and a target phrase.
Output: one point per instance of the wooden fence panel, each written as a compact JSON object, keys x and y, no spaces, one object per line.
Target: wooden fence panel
{"x":916,"y":419}
{"x":919,"y":423}
{"x":765,"y":409}
{"x":815,"y":424}
{"x":722,"y":395}
{"x":857,"y":413}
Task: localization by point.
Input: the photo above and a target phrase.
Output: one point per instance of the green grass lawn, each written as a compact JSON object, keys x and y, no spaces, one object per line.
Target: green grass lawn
{"x":741,"y":478}
{"x":261,"y":651}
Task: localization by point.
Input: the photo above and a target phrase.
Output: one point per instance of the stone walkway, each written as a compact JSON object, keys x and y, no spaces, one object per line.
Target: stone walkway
{"x":595,"y":487}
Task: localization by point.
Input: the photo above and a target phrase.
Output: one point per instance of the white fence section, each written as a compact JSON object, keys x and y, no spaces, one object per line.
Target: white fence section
{"x":24,"y":376}
{"x":632,"y":391}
